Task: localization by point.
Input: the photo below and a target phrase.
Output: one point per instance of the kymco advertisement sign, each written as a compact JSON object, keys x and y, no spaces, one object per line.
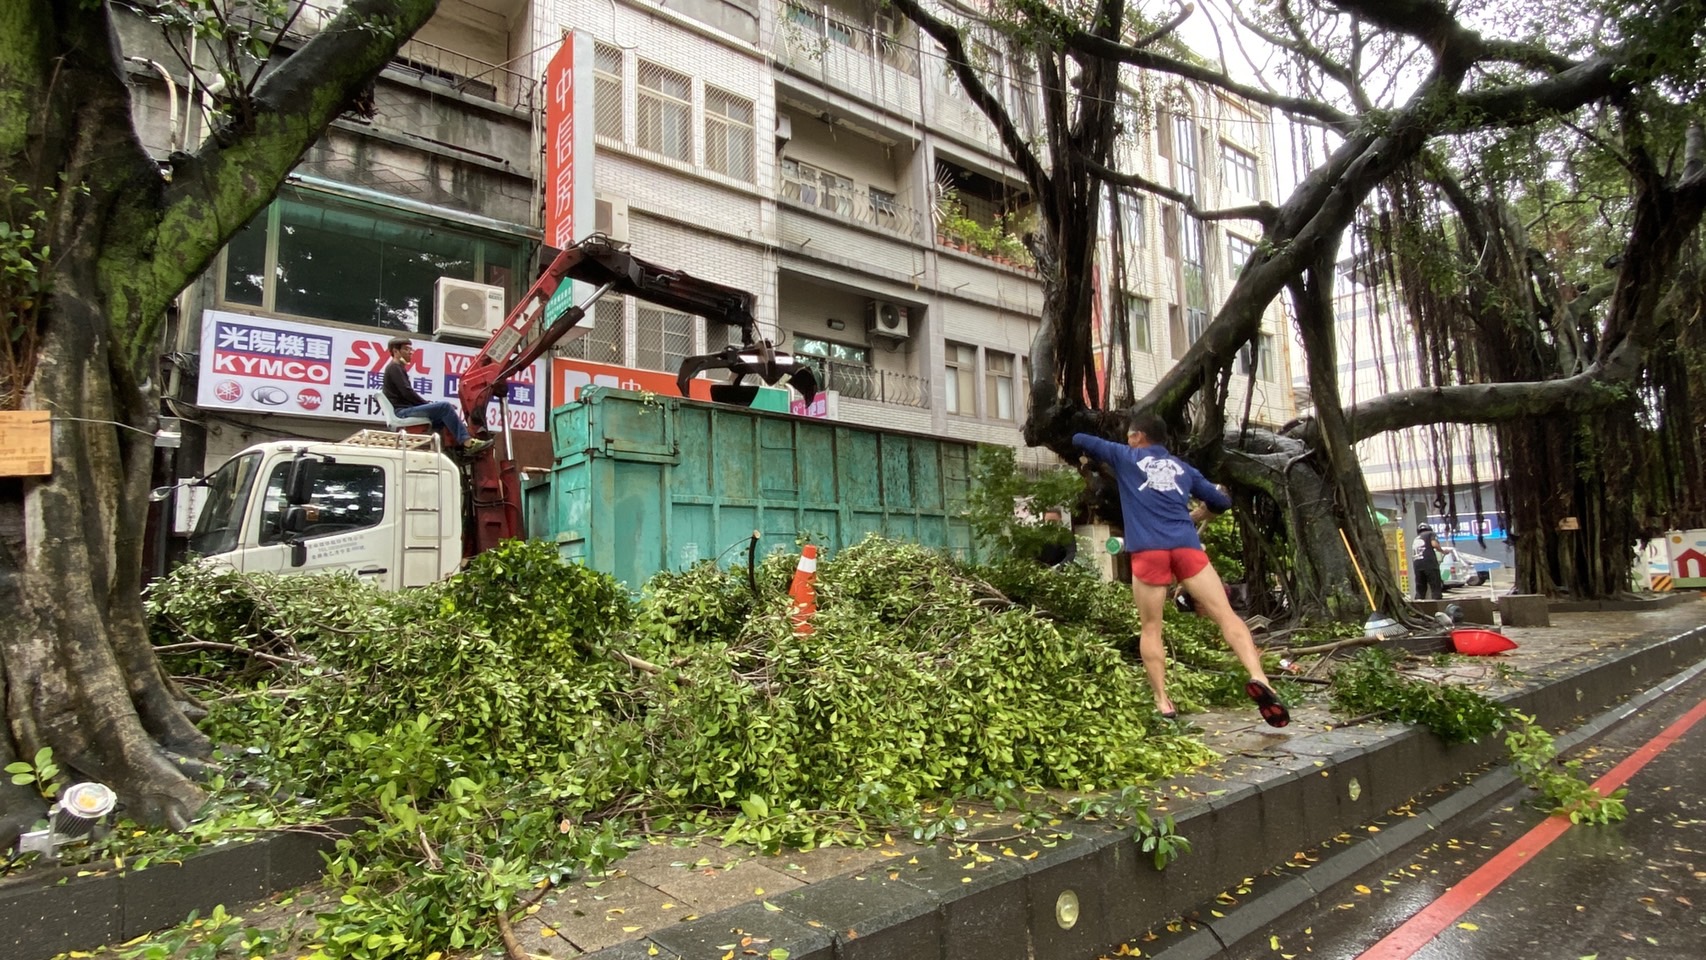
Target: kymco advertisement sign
{"x":262,"y":365}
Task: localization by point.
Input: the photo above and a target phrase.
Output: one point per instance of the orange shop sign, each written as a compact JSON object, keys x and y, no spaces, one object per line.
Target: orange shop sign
{"x":569,"y":375}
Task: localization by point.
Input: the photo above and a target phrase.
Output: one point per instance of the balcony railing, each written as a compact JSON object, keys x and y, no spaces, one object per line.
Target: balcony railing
{"x":821,"y":23}
{"x":846,"y":202}
{"x":859,"y":382}
{"x":465,"y":74}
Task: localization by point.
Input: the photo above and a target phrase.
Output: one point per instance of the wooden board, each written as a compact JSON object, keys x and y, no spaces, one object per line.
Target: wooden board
{"x":26,"y":443}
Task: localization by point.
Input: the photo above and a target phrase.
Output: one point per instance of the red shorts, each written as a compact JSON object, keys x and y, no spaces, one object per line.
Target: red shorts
{"x":1158,"y":568}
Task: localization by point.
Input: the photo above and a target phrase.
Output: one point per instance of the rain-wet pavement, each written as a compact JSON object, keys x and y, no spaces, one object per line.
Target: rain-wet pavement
{"x":1634,"y":890}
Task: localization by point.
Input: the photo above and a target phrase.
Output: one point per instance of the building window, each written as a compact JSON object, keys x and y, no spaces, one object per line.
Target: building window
{"x":1191,"y":240}
{"x":729,"y":143}
{"x":1137,"y":317}
{"x":1133,"y":224}
{"x":1238,"y":171}
{"x":1238,"y":253}
{"x":1185,"y":164}
{"x":1263,"y":358}
{"x":662,"y":339}
{"x":310,"y":257}
{"x":1196,"y":323}
{"x":1170,"y":231}
{"x":665,"y":112}
{"x":607,"y":91}
{"x":607,"y":341}
{"x":960,"y":364}
{"x":1185,"y":327}
{"x":998,"y":384}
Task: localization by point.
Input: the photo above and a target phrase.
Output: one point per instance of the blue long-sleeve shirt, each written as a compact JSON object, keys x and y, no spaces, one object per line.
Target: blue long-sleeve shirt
{"x":1155,"y":493}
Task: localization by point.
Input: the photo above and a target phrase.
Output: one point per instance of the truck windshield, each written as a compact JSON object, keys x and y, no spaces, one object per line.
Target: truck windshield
{"x":220,"y":525}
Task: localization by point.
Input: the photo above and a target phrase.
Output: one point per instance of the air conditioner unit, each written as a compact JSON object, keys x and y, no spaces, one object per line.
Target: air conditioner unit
{"x":886,"y":319}
{"x":466,"y":310}
{"x":611,"y":218}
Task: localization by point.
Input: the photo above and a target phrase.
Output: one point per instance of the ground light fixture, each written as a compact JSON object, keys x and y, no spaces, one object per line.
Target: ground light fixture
{"x":72,"y":818}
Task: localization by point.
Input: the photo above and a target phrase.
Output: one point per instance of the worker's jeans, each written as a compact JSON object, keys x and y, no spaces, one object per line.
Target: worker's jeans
{"x":443,"y":416}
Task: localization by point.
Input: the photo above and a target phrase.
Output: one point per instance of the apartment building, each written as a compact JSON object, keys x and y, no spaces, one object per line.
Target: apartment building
{"x":818,"y":154}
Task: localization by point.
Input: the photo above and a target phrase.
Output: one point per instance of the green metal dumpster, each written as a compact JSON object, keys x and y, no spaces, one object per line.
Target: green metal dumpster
{"x":642,"y":483}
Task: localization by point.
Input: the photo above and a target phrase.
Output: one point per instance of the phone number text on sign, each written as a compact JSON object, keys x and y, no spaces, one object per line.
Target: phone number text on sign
{"x":279,"y":366}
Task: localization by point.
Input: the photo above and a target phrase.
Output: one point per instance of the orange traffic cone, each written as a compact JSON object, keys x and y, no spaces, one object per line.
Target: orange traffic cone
{"x":805,"y":598}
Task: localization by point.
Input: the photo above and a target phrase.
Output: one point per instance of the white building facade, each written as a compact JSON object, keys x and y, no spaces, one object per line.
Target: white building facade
{"x":817,"y":154}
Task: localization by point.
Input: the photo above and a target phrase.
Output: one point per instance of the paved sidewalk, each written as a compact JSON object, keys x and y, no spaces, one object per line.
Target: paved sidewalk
{"x":706,"y":900}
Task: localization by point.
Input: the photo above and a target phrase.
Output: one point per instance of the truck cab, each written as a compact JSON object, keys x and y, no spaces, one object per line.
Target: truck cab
{"x":386,"y":507}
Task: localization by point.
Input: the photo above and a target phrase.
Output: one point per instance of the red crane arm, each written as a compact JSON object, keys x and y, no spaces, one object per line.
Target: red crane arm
{"x":525,"y":335}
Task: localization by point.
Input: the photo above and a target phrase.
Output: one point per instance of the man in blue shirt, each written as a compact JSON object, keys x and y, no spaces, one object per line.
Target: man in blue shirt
{"x":1161,"y":535}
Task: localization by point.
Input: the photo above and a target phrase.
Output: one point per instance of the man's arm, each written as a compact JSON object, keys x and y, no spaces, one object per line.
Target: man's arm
{"x":1212,"y":496}
{"x":1103,"y":450}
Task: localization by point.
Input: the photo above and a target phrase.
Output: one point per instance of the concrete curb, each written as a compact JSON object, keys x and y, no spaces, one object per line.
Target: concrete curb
{"x":46,"y":913}
{"x":1088,"y":893}
{"x":1220,"y":937}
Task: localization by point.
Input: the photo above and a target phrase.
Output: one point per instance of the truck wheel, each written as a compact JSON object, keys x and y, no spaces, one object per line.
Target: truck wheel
{"x":1477,"y":578}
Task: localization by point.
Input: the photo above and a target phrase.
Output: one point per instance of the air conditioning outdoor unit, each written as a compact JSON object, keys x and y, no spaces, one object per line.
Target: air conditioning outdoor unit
{"x":466,"y":310}
{"x":611,"y":218}
{"x":886,"y":319}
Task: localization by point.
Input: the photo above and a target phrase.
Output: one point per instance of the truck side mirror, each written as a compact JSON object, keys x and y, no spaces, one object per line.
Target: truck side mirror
{"x":299,"y":483}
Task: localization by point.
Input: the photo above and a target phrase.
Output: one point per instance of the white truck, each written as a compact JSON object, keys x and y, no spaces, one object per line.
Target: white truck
{"x":386,"y":507}
{"x":393,"y":507}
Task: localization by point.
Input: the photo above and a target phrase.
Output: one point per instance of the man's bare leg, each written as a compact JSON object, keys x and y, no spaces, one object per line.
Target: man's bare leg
{"x":1150,"y":600}
{"x":1209,"y":595}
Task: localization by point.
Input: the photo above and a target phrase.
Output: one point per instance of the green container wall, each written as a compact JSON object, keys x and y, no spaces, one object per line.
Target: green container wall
{"x":643,"y":483}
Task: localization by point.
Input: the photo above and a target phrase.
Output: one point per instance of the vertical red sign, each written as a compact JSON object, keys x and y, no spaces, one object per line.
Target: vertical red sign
{"x":569,"y":142}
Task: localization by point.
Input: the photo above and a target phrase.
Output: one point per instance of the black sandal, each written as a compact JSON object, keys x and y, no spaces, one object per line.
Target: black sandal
{"x":1268,"y":703}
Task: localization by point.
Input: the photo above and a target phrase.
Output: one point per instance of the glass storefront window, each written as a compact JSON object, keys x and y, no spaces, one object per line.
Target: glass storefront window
{"x":331,"y":261}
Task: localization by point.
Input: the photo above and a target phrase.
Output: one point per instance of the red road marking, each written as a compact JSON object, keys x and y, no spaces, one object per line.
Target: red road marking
{"x":1421,"y":929}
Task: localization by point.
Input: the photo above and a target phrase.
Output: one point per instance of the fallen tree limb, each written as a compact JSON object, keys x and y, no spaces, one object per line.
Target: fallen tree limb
{"x":1329,"y":647}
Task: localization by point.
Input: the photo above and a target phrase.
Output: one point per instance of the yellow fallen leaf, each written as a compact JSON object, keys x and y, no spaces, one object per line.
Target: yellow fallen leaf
{"x":616,"y":910}
{"x":652,"y":950}
{"x":729,"y":956}
{"x":629,"y":929}
{"x":1466,"y":925}
{"x":771,"y":907}
{"x":1032,"y":855}
{"x":1217,"y":913}
{"x":758,"y":891}
{"x":545,"y":931}
{"x":913,"y":860}
{"x":1363,"y":888}
{"x":667,"y":906}
{"x":1273,"y":943}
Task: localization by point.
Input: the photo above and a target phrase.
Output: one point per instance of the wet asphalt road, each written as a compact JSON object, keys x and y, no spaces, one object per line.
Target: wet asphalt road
{"x":1634,"y":890}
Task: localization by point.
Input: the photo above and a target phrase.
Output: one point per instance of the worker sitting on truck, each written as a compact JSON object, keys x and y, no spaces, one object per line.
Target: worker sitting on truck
{"x":408,"y":403}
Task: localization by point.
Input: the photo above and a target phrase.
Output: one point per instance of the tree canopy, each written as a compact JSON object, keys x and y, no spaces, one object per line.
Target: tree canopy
{"x":1429,"y":111}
